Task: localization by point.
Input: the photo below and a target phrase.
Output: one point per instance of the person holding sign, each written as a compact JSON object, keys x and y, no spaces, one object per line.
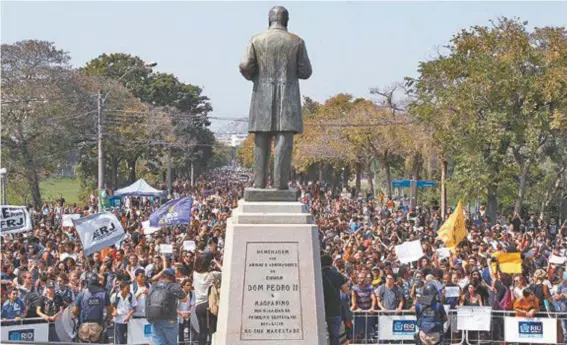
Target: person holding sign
{"x":430,"y":316}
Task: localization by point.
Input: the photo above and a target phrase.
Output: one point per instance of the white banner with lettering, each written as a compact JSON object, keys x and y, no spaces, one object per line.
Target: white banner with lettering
{"x":530,"y":330}
{"x":14,"y":219}
{"x":472,"y":318}
{"x":139,"y":331}
{"x":409,"y":251}
{"x":396,"y":327}
{"x":67,"y":219}
{"x":98,"y":231}
{"x":37,"y":332}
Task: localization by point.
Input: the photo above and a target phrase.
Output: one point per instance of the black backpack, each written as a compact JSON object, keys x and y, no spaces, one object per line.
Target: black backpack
{"x":158,"y":303}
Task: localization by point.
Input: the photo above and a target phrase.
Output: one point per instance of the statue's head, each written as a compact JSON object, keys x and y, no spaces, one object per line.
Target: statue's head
{"x":279,"y":15}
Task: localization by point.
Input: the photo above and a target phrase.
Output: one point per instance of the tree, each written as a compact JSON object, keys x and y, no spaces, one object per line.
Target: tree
{"x":494,"y":95}
{"x":245,"y":153}
{"x":177,"y":109}
{"x":44,"y":109}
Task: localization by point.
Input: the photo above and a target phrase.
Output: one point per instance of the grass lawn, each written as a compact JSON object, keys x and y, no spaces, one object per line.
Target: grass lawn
{"x":54,"y":188}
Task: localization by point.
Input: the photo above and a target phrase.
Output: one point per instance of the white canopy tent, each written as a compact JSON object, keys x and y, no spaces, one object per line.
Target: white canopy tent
{"x":140,"y":188}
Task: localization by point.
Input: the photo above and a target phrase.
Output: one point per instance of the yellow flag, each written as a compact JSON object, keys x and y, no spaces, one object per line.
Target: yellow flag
{"x":509,"y":262}
{"x":453,"y":231}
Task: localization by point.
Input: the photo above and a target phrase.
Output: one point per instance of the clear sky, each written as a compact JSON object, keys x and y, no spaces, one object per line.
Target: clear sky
{"x":353,"y":46}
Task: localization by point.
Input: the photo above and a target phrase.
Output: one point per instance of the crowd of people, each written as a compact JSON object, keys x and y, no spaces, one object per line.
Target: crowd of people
{"x":44,"y":271}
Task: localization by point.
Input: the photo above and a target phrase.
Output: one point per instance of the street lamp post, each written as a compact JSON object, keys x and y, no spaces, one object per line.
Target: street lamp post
{"x":3,"y":172}
{"x":101,"y":101}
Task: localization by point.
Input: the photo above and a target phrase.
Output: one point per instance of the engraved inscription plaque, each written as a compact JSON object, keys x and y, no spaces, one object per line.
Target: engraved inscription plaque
{"x":271,"y":301}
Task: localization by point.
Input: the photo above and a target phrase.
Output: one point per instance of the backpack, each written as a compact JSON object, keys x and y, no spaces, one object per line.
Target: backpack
{"x":214,"y":297}
{"x":114,"y":298}
{"x":158,"y":303}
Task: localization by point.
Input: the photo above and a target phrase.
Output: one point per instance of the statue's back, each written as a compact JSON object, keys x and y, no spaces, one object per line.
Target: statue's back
{"x":277,"y":53}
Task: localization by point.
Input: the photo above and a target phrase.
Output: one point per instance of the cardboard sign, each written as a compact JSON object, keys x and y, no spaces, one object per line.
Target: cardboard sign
{"x":471,"y":318}
{"x":189,"y":246}
{"x":409,"y":251}
{"x":67,"y":219}
{"x":166,"y":248}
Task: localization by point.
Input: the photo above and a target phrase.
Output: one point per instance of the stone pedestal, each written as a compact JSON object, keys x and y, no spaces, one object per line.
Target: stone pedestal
{"x":271,"y":292}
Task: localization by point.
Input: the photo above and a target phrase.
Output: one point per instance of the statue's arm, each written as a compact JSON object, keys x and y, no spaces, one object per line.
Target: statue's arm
{"x":248,"y":64}
{"x":303,"y":64}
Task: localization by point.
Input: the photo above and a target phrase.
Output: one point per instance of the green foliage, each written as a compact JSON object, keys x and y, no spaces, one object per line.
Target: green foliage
{"x":42,"y":97}
{"x":490,"y":102}
{"x":87,"y":184}
{"x":171,"y":119}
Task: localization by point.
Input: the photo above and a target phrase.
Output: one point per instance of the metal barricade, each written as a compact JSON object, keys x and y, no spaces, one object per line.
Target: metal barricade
{"x":37,"y":331}
{"x":391,"y":327}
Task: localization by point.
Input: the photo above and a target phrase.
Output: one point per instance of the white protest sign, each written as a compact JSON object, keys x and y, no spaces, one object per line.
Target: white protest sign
{"x":67,"y":219}
{"x":556,"y":260}
{"x":189,"y":246}
{"x":530,"y":330}
{"x":165,"y":248}
{"x":98,"y":231}
{"x":409,"y":251}
{"x":443,"y":253}
{"x":452,"y":291}
{"x":148,"y":229}
{"x":14,"y":219}
{"x":472,"y":318}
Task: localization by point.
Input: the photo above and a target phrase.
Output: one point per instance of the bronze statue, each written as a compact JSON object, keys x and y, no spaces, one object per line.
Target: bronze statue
{"x":275,"y":60}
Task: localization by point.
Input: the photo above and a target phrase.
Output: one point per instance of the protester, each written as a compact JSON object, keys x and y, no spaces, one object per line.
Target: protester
{"x":124,"y":305}
{"x":161,"y":308}
{"x":359,"y":232}
{"x":333,"y":284}
{"x":13,"y":308}
{"x":49,"y":307}
{"x":203,"y":279}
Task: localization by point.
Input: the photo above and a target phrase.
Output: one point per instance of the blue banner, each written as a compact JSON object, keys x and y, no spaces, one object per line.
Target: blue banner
{"x":174,"y":212}
{"x":401,"y":183}
{"x":425,"y":184}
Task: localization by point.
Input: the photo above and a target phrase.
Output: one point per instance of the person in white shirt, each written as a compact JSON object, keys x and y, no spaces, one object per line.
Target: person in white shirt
{"x":140,"y":288}
{"x":184,"y":311}
{"x":124,"y":305}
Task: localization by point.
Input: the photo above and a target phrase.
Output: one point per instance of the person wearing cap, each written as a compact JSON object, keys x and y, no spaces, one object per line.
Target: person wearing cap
{"x":430,"y":316}
{"x":48,"y":308}
{"x":165,"y":329}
